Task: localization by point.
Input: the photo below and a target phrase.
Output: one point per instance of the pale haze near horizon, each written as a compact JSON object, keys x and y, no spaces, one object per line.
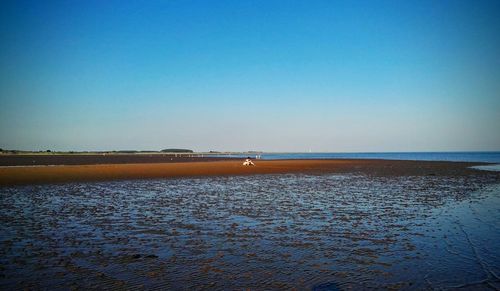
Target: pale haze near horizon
{"x":324,"y":76}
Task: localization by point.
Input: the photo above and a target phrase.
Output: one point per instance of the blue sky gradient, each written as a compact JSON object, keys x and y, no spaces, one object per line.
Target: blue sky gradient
{"x":250,"y":75}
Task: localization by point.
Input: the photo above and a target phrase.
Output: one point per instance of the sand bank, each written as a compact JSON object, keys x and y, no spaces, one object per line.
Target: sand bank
{"x":100,"y":172}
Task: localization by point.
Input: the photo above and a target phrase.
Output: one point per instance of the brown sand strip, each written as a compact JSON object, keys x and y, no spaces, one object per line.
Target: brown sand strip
{"x":56,"y":174}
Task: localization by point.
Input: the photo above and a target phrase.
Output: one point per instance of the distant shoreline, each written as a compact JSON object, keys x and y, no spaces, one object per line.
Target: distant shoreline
{"x":203,"y":167}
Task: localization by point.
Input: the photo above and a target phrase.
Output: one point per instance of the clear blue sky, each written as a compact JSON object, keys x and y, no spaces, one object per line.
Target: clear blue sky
{"x":250,"y":75}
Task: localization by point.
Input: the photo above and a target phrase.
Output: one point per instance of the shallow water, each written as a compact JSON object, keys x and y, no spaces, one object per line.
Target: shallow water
{"x":494,"y":167}
{"x":322,"y":232}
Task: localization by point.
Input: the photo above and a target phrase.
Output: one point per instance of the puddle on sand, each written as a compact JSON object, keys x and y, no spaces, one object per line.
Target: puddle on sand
{"x":323,"y":232}
{"x":495,"y":167}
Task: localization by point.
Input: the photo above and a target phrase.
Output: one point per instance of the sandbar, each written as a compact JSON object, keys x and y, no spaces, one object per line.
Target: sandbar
{"x":18,"y":175}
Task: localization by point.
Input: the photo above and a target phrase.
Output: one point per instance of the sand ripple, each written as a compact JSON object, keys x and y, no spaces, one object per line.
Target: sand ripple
{"x":322,"y":232}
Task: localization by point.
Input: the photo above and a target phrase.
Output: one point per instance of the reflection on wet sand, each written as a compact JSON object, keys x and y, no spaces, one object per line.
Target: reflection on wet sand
{"x":322,"y":232}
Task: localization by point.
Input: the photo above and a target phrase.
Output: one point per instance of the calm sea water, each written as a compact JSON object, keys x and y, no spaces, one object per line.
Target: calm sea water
{"x":265,"y":232}
{"x":487,"y":157}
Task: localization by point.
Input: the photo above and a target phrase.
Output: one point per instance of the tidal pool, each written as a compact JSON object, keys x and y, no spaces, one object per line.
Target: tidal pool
{"x":320,"y":232}
{"x":492,"y":167}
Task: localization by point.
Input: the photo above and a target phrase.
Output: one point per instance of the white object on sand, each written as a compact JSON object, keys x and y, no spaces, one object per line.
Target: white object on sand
{"x":248,"y":162}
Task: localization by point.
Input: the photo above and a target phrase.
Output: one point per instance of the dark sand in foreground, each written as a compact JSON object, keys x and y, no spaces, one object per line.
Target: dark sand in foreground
{"x":207,"y":167}
{"x":388,"y":225}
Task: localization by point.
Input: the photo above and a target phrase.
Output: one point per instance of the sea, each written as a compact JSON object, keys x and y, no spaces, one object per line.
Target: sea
{"x":484,"y":157}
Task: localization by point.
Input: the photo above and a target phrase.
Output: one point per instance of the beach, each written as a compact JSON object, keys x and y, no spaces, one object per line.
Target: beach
{"x":156,"y":222}
{"x":290,"y":224}
{"x":124,"y":167}
{"x":250,"y":145}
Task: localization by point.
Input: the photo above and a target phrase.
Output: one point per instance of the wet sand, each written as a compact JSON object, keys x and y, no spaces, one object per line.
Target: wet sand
{"x":98,"y":159}
{"x":18,"y":175}
{"x":339,"y":231}
{"x":282,"y":224}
